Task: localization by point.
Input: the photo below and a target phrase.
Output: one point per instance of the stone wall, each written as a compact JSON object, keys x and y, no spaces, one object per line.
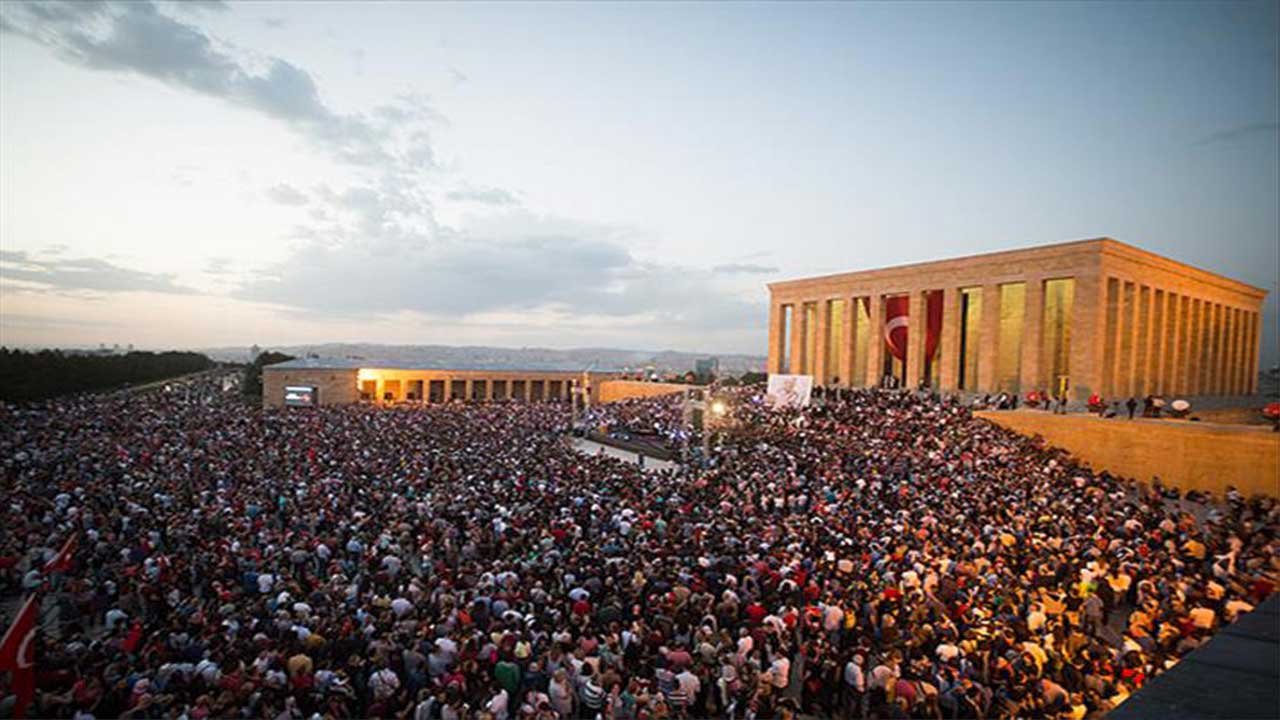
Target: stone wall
{"x":336,"y":387}
{"x":615,"y":390}
{"x":1199,"y":456}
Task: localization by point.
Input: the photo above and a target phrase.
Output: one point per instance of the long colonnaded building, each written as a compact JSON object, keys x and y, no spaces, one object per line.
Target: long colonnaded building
{"x":311,"y":381}
{"x":1085,"y":317}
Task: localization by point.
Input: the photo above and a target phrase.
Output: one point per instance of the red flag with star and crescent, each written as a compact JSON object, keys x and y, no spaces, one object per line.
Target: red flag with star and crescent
{"x":18,"y":654}
{"x":895,"y":325}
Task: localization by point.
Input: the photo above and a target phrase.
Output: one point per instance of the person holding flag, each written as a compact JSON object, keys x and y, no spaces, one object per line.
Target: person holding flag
{"x":62,"y":561}
{"x":18,"y":654}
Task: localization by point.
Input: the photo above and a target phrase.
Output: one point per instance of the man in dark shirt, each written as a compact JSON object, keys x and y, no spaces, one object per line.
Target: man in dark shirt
{"x":1132,"y":404}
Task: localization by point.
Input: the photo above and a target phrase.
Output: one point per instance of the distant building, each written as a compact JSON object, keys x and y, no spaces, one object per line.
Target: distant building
{"x":1093,"y":316}
{"x":335,"y":381}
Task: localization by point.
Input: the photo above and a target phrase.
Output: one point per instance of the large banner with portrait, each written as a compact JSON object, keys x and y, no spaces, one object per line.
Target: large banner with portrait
{"x":789,"y":390}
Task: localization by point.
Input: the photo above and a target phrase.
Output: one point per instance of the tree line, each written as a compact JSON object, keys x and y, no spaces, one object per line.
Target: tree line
{"x":27,"y":376}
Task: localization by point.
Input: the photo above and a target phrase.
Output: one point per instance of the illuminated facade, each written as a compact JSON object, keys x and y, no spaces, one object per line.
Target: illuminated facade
{"x":1093,"y":316}
{"x":337,"y":381}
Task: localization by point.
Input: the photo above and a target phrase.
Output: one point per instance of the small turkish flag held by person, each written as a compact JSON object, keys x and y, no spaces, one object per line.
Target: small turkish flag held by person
{"x":62,"y":561}
{"x":18,"y":654}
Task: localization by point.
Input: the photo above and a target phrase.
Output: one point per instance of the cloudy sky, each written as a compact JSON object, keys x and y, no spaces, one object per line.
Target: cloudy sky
{"x":575,"y":174}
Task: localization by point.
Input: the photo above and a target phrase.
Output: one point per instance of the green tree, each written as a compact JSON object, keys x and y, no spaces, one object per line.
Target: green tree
{"x":31,"y":376}
{"x":252,"y":385}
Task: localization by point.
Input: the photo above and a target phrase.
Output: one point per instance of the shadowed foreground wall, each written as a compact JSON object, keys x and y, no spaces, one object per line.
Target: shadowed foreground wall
{"x":1190,"y":456}
{"x":615,"y":390}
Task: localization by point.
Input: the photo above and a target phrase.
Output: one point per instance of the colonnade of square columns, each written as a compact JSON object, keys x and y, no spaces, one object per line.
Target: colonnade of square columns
{"x":1121,"y":338}
{"x":809,"y":354}
{"x":401,"y":385}
{"x":1169,"y":343}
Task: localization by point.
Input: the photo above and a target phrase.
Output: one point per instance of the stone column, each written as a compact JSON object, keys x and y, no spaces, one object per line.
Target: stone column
{"x":875,"y":341}
{"x":797,"y":338}
{"x":1088,"y":323}
{"x":1229,"y":370}
{"x":1149,"y":364}
{"x":1191,"y":346}
{"x":1030,"y":376}
{"x":1224,"y":349}
{"x":1206,"y":360}
{"x":1191,"y":349}
{"x":989,"y":339}
{"x":847,"y":340}
{"x":1119,"y":376}
{"x":819,"y":361}
{"x":949,"y":343}
{"x":916,"y":323}
{"x":1229,"y":359}
{"x":1255,"y":347}
{"x":777,"y":333}
{"x":1172,"y":379}
{"x":1241,"y":350}
{"x":1212,"y":338}
{"x":1132,"y":366}
{"x":1160,"y":339}
{"x":1219,"y":349}
{"x":1203,"y":355}
{"x":1216,"y":347}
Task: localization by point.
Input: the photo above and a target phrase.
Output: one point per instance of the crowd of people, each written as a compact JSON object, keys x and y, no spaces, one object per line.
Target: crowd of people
{"x":660,"y":418}
{"x":880,"y":554}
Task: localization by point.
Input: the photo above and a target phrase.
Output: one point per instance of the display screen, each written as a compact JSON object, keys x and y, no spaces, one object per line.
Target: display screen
{"x":301,"y":395}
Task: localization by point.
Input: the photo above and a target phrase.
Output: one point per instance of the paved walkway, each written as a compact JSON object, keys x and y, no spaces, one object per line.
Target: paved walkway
{"x":589,"y":447}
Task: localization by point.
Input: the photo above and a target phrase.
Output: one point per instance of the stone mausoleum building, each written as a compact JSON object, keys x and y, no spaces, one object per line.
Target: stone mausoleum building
{"x":315,"y":381}
{"x":1092,"y":316}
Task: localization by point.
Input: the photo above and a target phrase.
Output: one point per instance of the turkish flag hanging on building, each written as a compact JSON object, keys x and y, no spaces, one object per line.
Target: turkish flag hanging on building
{"x":933,"y":324}
{"x":895,"y":325}
{"x":18,"y":654}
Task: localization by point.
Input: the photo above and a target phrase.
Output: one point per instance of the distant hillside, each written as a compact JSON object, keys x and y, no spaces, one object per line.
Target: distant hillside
{"x":664,"y":361}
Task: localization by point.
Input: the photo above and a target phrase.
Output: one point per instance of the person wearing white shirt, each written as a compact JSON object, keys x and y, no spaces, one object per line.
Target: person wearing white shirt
{"x":498,"y":704}
{"x":855,"y":684}
{"x":780,"y":672}
{"x":689,"y":684}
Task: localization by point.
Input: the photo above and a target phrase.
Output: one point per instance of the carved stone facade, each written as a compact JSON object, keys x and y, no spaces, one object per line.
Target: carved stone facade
{"x":1092,"y":316}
